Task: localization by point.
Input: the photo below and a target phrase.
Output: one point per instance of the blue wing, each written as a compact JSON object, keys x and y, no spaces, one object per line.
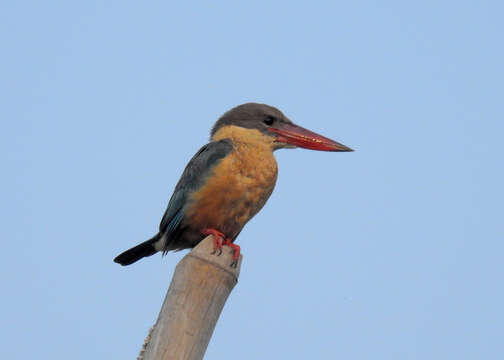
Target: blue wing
{"x":192,"y":178}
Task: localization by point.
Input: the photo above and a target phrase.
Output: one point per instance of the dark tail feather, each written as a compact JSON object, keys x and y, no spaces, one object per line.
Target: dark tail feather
{"x":136,"y":253}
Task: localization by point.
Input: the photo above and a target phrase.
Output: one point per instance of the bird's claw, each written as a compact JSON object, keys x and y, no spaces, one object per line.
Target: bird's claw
{"x":218,"y":240}
{"x":235,"y":250}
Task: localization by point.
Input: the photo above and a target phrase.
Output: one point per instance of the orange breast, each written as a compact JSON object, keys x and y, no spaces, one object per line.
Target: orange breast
{"x":238,"y":188}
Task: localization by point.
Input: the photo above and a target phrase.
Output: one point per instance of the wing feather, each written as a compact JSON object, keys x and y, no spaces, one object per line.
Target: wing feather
{"x":192,"y":178}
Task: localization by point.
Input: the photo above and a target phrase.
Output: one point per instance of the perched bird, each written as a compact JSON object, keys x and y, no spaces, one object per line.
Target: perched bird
{"x":228,"y":180}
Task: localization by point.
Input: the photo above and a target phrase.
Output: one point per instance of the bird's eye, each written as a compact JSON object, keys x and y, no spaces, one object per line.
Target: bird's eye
{"x":269,"y":120}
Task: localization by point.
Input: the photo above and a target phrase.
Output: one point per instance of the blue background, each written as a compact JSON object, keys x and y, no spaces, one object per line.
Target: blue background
{"x":394,"y":251}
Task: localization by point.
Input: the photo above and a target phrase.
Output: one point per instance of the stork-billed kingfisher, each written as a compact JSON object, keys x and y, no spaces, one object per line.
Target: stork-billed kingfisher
{"x":228,"y":180}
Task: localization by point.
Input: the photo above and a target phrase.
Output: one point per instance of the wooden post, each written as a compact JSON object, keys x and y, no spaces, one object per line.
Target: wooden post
{"x":198,"y":291}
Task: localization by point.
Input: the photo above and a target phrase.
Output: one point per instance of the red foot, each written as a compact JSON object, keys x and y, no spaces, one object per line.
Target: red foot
{"x":236,"y":251}
{"x":218,"y":238}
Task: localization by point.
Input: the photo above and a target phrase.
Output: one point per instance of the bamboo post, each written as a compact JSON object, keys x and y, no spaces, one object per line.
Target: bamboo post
{"x":198,"y":291}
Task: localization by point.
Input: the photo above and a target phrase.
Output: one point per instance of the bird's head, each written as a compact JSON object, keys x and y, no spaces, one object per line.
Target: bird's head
{"x":272,"y":126}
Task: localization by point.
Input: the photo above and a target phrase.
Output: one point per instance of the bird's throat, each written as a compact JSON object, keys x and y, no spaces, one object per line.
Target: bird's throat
{"x":249,"y":138}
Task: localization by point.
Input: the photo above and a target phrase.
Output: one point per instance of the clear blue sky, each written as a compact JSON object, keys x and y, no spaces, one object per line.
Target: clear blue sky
{"x":392,"y":252}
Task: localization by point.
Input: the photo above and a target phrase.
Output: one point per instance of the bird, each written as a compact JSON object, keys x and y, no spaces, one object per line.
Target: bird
{"x":228,"y":180}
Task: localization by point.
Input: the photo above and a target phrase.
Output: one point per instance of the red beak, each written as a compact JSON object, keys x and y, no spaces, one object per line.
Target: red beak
{"x":299,"y":136}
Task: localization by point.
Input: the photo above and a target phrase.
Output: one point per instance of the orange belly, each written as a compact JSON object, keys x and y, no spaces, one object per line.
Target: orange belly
{"x":236,"y":190}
